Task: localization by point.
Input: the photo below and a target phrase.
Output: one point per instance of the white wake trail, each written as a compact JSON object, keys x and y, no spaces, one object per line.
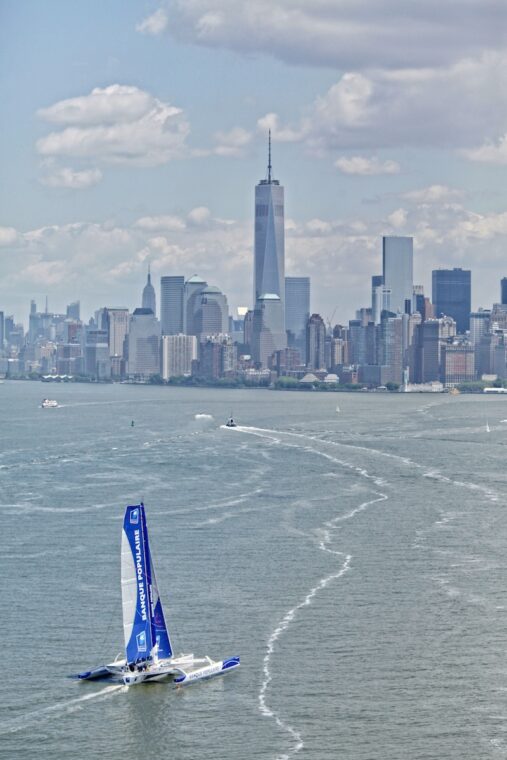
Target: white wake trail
{"x":325,"y":545}
{"x":46,"y":713}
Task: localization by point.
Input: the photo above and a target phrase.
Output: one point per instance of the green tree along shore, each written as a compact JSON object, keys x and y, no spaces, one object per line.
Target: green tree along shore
{"x":281,"y":384}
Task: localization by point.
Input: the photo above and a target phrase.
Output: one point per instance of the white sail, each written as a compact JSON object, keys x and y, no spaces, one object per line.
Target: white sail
{"x":128,"y":587}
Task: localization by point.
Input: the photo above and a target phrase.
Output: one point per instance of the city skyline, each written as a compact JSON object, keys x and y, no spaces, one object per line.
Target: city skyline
{"x":386,"y":133}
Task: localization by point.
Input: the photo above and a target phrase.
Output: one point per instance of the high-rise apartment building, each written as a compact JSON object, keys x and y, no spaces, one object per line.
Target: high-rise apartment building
{"x":503,"y":290}
{"x":149,"y":300}
{"x":451,"y":295}
{"x":457,"y":363}
{"x":143,"y":344}
{"x":397,"y":272}
{"x":117,"y":327}
{"x":96,"y":354}
{"x":177,"y":352}
{"x":479,"y":325}
{"x":429,"y":339}
{"x":172,"y":291}
{"x":297,"y":312}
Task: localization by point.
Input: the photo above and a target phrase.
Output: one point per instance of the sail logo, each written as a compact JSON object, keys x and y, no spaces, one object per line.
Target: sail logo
{"x":134,"y":517}
{"x":141,"y":641}
{"x":140,"y":576}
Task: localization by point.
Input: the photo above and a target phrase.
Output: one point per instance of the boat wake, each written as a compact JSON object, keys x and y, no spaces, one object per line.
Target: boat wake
{"x":56,"y":710}
{"x":279,"y":630}
{"x":325,"y":535}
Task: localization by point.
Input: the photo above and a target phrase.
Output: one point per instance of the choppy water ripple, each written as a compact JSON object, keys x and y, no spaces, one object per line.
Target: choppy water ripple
{"x":356,"y":561}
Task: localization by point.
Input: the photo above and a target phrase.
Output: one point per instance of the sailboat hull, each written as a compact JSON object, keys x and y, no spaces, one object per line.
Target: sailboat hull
{"x":181,"y":671}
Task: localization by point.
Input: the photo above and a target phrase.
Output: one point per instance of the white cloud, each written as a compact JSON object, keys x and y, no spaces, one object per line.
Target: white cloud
{"x":490,"y":153}
{"x":199,"y":216}
{"x":108,"y":105}
{"x":271,"y":121}
{"x":398,"y":218}
{"x":154,"y":24}
{"x":388,"y":34}
{"x":434,"y":194}
{"x":447,"y":107}
{"x":116,"y":125}
{"x":155,"y":223}
{"x":232,"y":143}
{"x":8,"y":236}
{"x":366,"y":166}
{"x":106,"y":263}
{"x":65,"y":176}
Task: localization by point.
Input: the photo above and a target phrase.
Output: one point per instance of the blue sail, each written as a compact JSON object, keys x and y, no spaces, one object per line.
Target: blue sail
{"x":143,"y":617}
{"x":136,"y":586}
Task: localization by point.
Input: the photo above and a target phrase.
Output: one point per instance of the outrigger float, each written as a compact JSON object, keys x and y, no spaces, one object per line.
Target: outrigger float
{"x":148,"y":650}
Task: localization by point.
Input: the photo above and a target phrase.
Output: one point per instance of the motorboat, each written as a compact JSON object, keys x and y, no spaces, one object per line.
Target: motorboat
{"x":230,"y":423}
{"x":49,"y":403}
{"x":149,"y":654}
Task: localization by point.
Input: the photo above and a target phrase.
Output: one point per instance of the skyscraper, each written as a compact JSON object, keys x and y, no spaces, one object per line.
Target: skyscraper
{"x":117,"y":328}
{"x":177,"y":354}
{"x":211,"y":316}
{"x":397,"y":272}
{"x":269,"y":275}
{"x":451,"y":295}
{"x":503,"y":286}
{"x":149,"y":299}
{"x":171,"y":304}
{"x":297,"y":311}
{"x":143,"y":344}
{"x":269,"y":263}
{"x":191,"y":300}
{"x":315,"y":342}
{"x":268,"y":333}
{"x":73,"y":310}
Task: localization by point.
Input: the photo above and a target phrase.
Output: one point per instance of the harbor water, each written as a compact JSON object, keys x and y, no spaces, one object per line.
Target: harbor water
{"x":356,"y":560}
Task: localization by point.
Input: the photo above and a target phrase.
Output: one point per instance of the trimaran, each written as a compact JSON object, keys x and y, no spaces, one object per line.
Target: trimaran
{"x":148,"y":649}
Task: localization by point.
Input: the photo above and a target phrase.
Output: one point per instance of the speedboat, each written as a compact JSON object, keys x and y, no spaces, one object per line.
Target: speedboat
{"x":230,"y":423}
{"x":49,"y":403}
{"x":149,"y":654}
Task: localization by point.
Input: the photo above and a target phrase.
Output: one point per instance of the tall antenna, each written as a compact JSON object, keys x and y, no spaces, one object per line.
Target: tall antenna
{"x":269,"y":156}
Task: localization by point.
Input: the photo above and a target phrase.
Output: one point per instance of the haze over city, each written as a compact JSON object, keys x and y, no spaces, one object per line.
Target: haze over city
{"x":134,"y":134}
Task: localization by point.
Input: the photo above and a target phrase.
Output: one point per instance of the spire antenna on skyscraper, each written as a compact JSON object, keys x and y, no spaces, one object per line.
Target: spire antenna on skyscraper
{"x":269,"y":156}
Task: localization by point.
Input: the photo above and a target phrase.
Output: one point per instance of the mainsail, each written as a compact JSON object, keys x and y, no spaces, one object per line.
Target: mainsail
{"x":143,"y":617}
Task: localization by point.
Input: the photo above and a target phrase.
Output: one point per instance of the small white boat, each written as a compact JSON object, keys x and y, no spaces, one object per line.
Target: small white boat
{"x":488,"y":429}
{"x":49,"y":403}
{"x":148,"y":650}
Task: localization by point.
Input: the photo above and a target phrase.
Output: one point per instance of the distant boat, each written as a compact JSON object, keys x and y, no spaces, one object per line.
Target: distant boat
{"x":49,"y":403}
{"x":338,"y":409}
{"x":488,"y":429}
{"x":230,"y":422}
{"x":148,"y":649}
{"x":132,"y":423}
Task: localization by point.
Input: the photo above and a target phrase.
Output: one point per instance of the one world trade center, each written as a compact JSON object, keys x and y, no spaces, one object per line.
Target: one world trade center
{"x":269,"y":270}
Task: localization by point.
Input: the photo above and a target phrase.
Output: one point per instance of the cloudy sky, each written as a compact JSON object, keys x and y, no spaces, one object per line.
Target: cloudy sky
{"x":133,"y":133}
